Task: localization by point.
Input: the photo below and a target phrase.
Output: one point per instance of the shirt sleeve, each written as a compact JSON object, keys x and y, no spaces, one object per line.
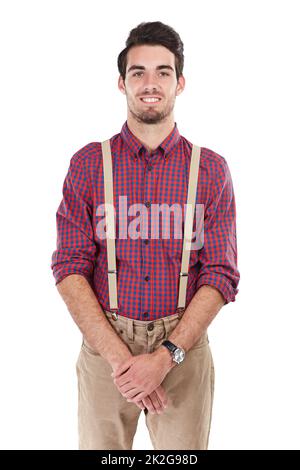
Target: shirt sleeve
{"x":218,"y":256}
{"x":75,"y":249}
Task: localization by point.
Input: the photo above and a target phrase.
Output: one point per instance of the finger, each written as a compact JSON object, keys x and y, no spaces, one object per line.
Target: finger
{"x":141,"y":405}
{"x":148,"y":404}
{"x":135,"y":395}
{"x":120,"y":370}
{"x":123,"y":378}
{"x":156,"y":402}
{"x":133,"y":392}
{"x":126,"y":389}
{"x":120,"y":384}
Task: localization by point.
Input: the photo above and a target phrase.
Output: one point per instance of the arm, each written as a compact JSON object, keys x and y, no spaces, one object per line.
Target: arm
{"x":90,"y":319}
{"x":73,"y":264}
{"x":200,"y":312}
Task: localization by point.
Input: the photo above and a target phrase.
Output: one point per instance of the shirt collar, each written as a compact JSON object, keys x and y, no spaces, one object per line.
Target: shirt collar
{"x":136,"y":145}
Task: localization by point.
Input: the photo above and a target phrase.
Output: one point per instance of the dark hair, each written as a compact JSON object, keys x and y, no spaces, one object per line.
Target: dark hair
{"x":153,"y":33}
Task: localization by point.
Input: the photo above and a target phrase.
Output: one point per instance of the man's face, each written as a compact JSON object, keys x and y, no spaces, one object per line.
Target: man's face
{"x":150,"y":73}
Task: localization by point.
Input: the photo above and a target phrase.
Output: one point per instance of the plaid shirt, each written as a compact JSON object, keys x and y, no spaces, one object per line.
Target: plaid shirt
{"x":147,"y":268}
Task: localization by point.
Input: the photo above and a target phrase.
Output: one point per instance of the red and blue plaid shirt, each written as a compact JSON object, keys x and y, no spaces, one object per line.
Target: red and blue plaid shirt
{"x":147,"y":268}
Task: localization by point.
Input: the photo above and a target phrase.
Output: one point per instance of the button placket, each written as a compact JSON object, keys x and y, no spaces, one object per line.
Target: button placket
{"x":146,"y":252}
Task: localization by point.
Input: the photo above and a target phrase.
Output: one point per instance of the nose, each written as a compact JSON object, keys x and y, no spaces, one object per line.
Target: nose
{"x":150,"y":82}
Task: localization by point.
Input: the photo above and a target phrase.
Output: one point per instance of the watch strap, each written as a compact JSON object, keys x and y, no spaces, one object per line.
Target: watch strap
{"x":170,"y":346}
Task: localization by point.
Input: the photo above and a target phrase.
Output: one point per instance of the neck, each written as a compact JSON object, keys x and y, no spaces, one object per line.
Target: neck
{"x":151,"y":135}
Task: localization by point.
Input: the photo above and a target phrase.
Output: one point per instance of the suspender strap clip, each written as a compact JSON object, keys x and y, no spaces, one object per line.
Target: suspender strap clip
{"x":114,"y":313}
{"x":180,"y":309}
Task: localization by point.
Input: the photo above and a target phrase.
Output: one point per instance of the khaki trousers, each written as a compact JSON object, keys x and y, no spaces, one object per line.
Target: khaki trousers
{"x":106,"y":421}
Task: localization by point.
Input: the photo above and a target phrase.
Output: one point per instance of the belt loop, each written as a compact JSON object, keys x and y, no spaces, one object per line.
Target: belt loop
{"x":130,"y":328}
{"x":167,"y":325}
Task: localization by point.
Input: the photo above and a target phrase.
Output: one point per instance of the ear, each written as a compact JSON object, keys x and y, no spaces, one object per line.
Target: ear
{"x":180,"y":85}
{"x":121,"y":85}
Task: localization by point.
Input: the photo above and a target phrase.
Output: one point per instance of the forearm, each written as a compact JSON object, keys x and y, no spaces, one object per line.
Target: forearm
{"x":200,"y":312}
{"x":90,"y":319}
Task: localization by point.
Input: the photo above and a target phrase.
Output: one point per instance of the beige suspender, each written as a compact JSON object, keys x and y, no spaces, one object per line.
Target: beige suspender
{"x":188,"y":226}
{"x":110,"y":228}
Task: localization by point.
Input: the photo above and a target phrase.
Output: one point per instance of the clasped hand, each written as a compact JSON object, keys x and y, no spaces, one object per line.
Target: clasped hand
{"x":139,"y":376}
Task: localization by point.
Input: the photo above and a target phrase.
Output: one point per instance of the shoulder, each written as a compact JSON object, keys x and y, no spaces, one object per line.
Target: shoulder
{"x":214,"y":173}
{"x":212,"y":158}
{"x":86,"y":155}
{"x":90,"y":155}
{"x":209,"y":158}
{"x":216,"y":164}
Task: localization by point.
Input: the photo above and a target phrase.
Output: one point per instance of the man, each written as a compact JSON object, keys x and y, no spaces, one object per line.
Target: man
{"x":142,"y":348}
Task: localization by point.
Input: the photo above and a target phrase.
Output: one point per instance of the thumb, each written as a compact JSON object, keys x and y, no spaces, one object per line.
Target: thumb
{"x":121,"y":369}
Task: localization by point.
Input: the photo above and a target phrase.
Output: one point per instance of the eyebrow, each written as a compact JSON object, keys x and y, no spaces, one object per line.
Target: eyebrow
{"x":141,"y":67}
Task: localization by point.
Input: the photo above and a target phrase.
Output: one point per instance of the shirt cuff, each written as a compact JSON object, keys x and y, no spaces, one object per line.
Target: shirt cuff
{"x":221,"y":283}
{"x":60,"y":274}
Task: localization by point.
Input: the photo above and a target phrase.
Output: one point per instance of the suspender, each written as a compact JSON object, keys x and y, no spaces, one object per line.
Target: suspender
{"x":111,"y":245}
{"x":188,"y":226}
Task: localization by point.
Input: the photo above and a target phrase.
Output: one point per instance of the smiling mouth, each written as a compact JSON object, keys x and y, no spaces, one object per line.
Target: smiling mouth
{"x":150,"y":100}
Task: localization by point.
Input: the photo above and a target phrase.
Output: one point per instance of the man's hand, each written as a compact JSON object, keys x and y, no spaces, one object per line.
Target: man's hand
{"x":156,"y":402}
{"x":140,"y":375}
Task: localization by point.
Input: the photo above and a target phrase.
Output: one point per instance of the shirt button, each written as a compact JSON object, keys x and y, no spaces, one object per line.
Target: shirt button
{"x":147,"y":204}
{"x":146,"y":242}
{"x":150,"y":327}
{"x":147,"y":278}
{"x":149,"y":167}
{"x":146,"y":314}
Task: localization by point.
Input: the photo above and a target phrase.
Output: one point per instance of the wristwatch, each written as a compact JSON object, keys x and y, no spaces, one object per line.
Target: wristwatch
{"x":178,"y":354}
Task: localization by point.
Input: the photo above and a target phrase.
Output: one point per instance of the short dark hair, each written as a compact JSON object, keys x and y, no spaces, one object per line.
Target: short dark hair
{"x":153,"y":33}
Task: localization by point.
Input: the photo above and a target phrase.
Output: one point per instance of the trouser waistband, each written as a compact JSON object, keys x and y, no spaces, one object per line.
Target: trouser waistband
{"x":129,"y":324}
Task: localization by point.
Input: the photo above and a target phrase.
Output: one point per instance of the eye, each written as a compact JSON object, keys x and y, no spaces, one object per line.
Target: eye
{"x":138,"y":74}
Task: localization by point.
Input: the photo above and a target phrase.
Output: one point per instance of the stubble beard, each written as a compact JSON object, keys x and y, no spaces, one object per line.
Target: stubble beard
{"x":151,"y":116}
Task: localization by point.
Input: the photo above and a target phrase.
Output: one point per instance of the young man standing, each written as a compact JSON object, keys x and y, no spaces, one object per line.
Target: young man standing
{"x":142,"y":303}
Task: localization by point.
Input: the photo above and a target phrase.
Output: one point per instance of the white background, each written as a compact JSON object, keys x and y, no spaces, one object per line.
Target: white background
{"x":58,"y":93}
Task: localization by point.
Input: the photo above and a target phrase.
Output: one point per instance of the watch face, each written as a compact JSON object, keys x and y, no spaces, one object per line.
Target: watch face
{"x":179,"y":355}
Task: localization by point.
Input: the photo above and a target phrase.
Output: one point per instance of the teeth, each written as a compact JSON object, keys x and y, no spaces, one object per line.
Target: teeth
{"x":150,"y":100}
